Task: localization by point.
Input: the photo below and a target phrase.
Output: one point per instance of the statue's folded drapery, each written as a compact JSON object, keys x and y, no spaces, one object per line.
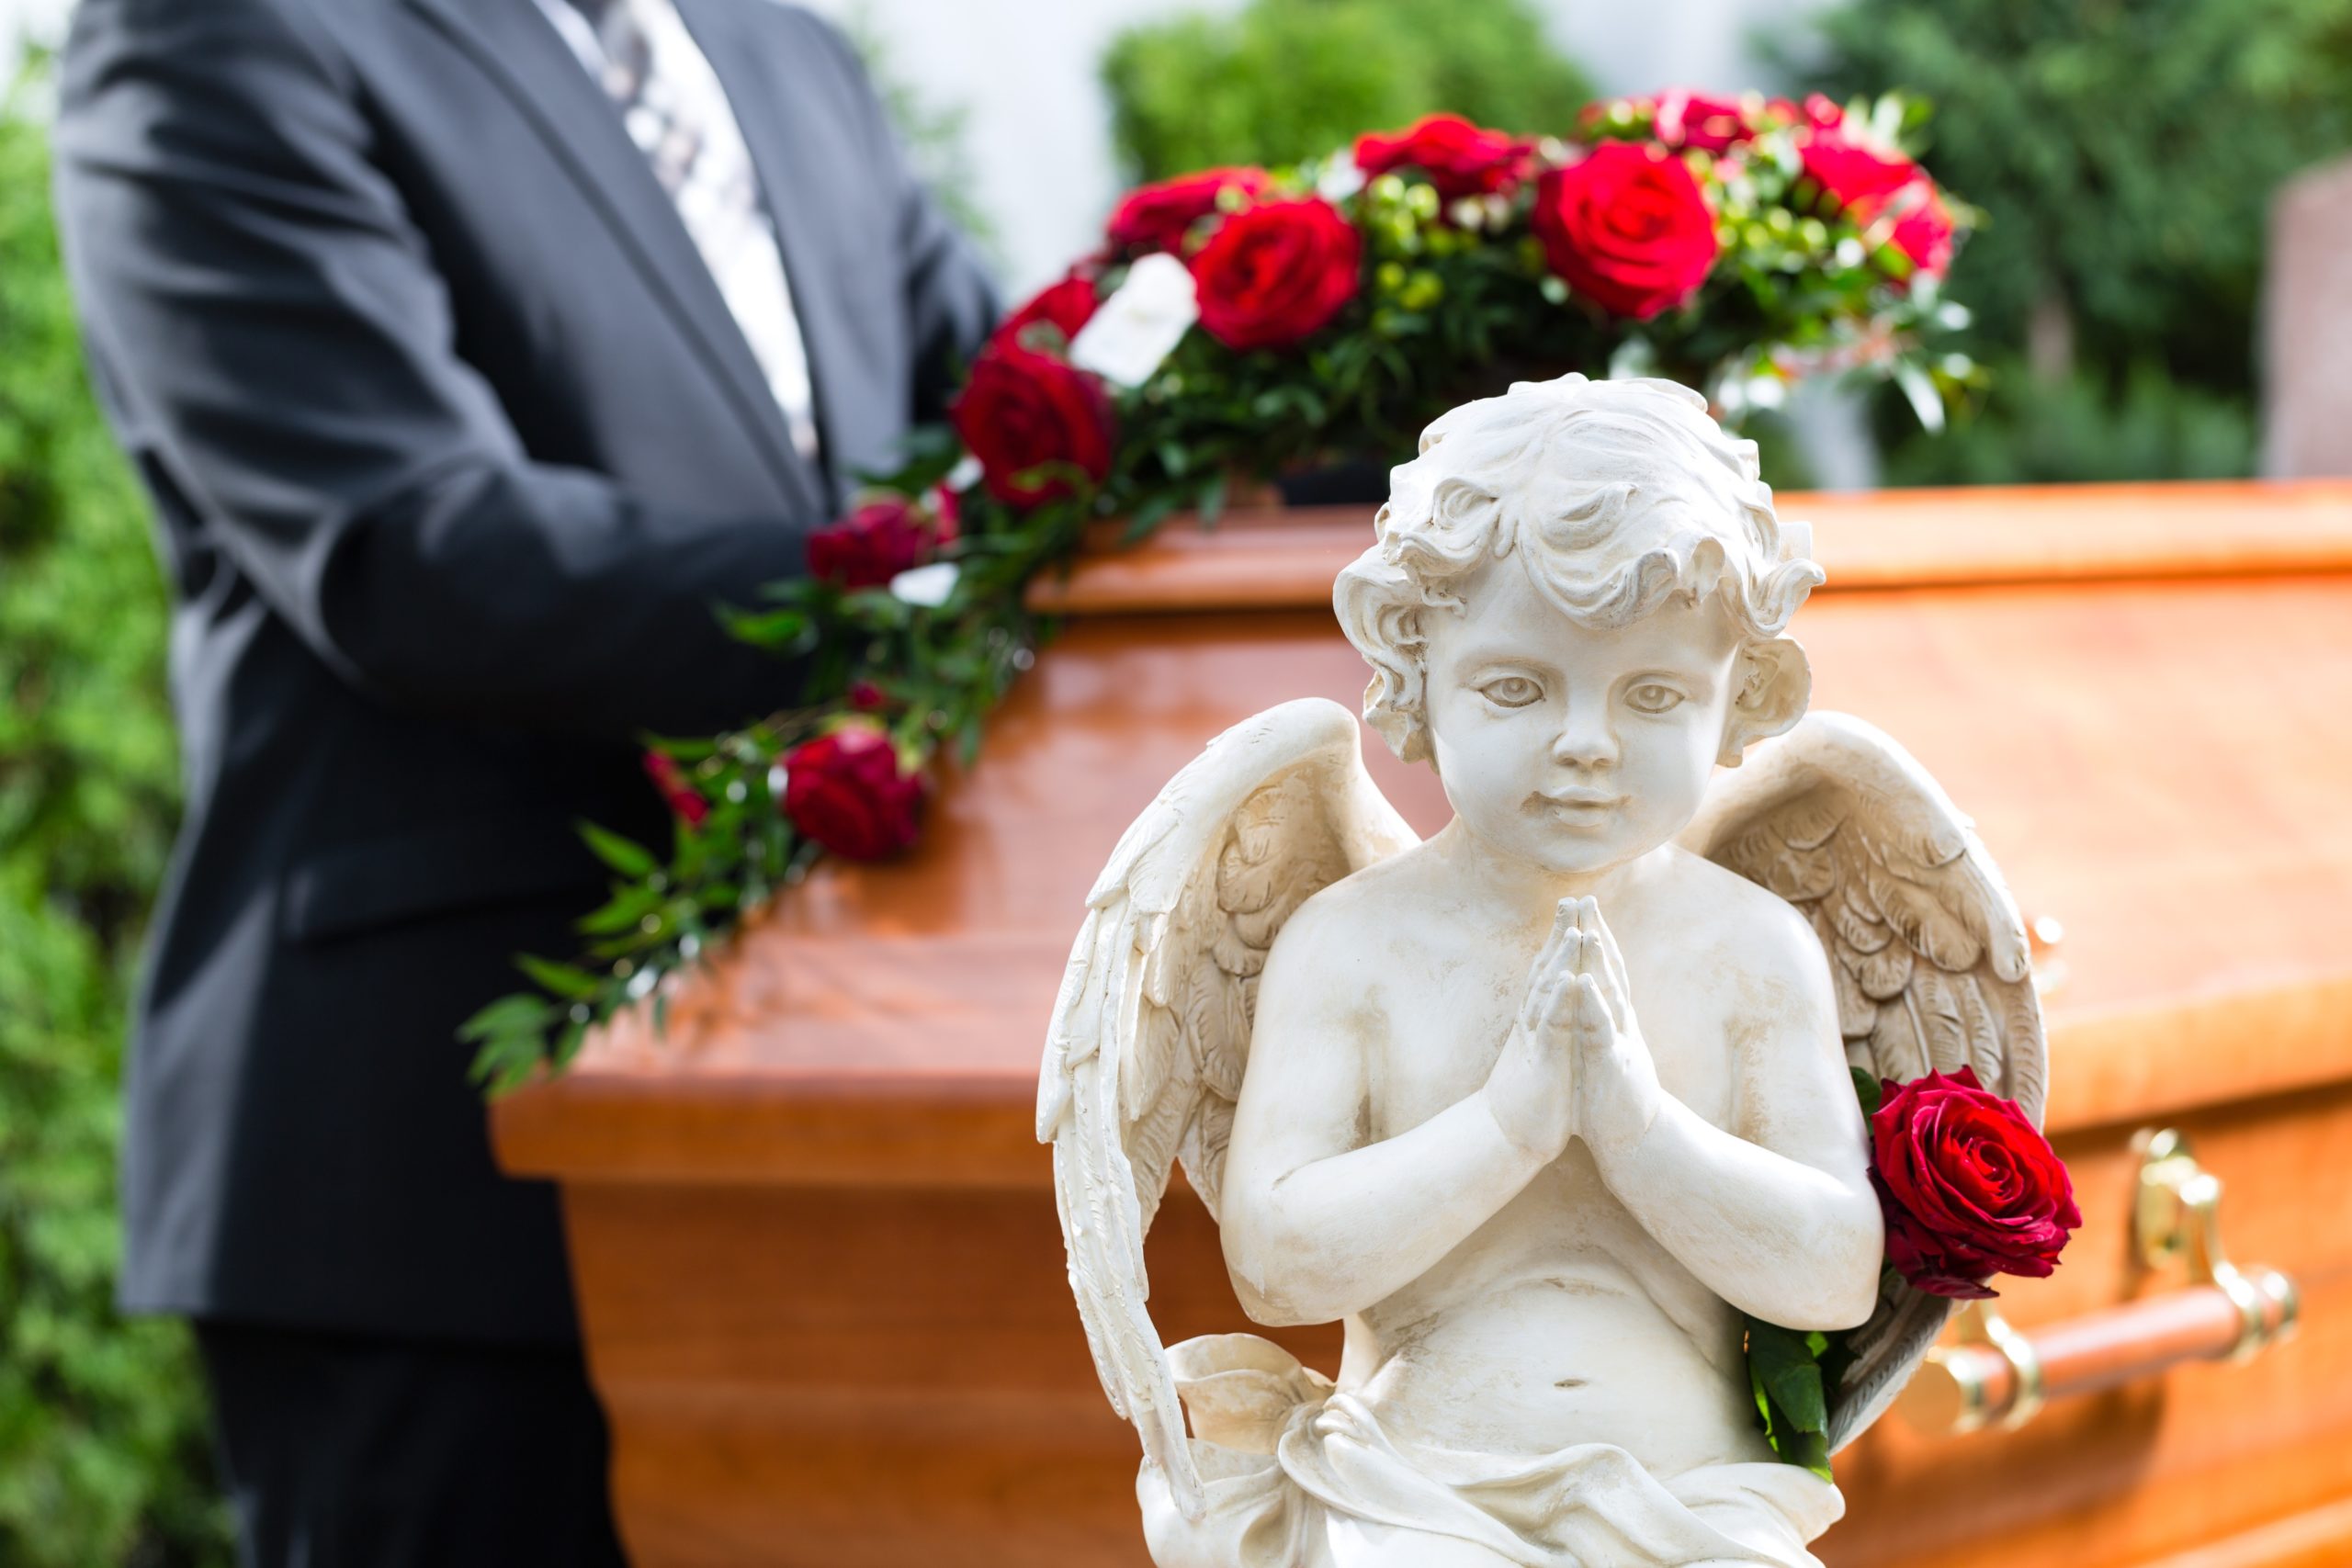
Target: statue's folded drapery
{"x":1295,"y":1469}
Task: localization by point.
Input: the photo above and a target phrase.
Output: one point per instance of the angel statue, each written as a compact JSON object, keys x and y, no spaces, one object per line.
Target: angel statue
{"x":1545,"y":1107}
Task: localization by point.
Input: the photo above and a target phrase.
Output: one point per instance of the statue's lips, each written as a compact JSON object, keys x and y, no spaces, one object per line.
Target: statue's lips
{"x":1576,"y":805}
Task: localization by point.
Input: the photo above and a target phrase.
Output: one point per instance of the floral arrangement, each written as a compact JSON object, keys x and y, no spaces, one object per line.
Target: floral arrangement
{"x":1968,"y":1188}
{"x":1231,"y":321}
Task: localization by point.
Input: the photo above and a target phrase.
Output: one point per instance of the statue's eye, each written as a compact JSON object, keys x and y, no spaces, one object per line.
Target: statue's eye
{"x":1511,"y":692}
{"x":1652,"y":697}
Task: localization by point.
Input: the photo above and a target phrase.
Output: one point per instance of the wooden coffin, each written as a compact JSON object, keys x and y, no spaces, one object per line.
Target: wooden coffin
{"x":815,"y":1242}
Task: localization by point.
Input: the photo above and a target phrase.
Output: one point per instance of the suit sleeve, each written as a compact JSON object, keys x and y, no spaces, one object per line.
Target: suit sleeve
{"x":951,"y":303}
{"x":278,"y":343}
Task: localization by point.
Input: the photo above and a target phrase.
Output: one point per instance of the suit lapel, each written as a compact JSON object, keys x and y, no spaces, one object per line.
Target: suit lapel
{"x":520,"y":51}
{"x":792,"y":177}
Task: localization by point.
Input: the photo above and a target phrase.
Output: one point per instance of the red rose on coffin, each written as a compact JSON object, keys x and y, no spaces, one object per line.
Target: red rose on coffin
{"x":876,"y":542}
{"x":1969,"y":1187}
{"x":1856,"y":179}
{"x":1158,"y":217}
{"x":1461,"y":159}
{"x":1276,"y":272}
{"x":845,"y":791}
{"x":1066,"y":306}
{"x":1819,"y":110}
{"x":1685,"y":118}
{"x":1021,"y":410}
{"x":685,"y":801}
{"x":1628,"y":228}
{"x":1923,"y":232}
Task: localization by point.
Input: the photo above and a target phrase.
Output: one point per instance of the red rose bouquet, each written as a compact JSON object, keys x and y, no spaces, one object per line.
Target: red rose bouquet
{"x":1238,"y":321}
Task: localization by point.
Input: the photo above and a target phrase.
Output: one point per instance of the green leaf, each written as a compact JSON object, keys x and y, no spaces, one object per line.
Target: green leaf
{"x":626,"y":909}
{"x":1919,"y":389}
{"x":519,"y":1012}
{"x":563,"y":979}
{"x":1211,"y":503}
{"x":1868,"y":1089}
{"x":625,"y":855}
{"x":1785,"y":1365}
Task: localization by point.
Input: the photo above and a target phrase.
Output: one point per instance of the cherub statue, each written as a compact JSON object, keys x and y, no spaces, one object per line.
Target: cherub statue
{"x":1541,"y":1106}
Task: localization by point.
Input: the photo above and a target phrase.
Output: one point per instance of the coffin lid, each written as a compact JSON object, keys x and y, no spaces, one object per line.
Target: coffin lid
{"x":2139,"y":691}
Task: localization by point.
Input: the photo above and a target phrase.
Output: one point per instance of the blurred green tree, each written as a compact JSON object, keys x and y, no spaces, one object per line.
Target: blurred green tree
{"x":2124,"y":154}
{"x":103,"y":1455}
{"x":1282,"y":80}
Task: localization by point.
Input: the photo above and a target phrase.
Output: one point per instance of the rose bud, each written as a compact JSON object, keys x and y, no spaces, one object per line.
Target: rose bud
{"x":1159,"y":217}
{"x":1700,"y":121}
{"x":1065,"y":306}
{"x":846,"y":791}
{"x":1628,"y":228}
{"x":1969,"y":1187}
{"x":866,"y":697}
{"x":1460,"y":158}
{"x":1277,"y":273}
{"x":685,"y":801}
{"x":1855,"y":179}
{"x":874,"y":544}
{"x":1021,"y":410}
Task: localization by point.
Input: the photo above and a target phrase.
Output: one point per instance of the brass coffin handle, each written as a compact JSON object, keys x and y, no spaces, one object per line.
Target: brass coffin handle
{"x":1992,"y":1375}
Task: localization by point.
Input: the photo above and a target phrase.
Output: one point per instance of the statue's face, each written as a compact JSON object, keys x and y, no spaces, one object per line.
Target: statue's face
{"x":1567,"y":747}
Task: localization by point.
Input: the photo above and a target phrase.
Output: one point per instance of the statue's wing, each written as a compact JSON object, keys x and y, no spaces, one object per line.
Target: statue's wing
{"x":1926,"y":949}
{"x":1143,"y":1063}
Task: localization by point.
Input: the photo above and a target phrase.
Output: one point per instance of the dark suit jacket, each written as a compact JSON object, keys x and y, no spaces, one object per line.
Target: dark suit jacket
{"x":454,"y":446}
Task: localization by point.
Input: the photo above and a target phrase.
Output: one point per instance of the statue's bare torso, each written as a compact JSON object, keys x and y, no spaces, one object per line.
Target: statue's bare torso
{"x":1560,"y":1320}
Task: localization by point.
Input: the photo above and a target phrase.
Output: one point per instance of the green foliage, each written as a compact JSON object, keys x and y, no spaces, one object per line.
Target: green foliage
{"x":1284,"y":80}
{"x":2124,"y":154}
{"x":1787,"y":1375}
{"x":102,"y":1448}
{"x":2029,"y":430}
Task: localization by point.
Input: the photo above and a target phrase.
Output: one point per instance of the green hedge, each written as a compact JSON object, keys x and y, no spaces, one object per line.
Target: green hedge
{"x":2125,"y":156}
{"x":1284,"y":80}
{"x":103,"y":1454}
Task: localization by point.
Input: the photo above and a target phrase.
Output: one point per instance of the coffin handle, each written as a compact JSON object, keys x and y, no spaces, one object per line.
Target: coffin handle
{"x":1994,"y":1375}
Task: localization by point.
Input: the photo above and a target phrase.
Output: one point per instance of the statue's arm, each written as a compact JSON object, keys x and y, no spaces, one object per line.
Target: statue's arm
{"x":1777,"y":1215}
{"x":1319,"y":1222}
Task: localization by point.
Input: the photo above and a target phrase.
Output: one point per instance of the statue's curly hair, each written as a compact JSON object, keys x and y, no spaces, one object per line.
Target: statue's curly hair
{"x":1620,"y":495}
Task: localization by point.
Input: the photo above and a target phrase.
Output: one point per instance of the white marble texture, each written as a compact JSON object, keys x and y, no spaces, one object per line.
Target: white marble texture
{"x":1540,"y":1106}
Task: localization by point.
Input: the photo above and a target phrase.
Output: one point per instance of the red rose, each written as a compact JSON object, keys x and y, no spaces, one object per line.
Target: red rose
{"x":685,"y":801}
{"x":1628,"y":228}
{"x":1969,"y":1187}
{"x":845,"y":791}
{"x":1685,"y":118}
{"x":1819,"y":110}
{"x":1276,"y":272}
{"x":874,"y":544}
{"x":1924,"y":230}
{"x":1854,"y":178}
{"x":1158,"y":217}
{"x":1021,"y":410}
{"x":865,"y":696}
{"x":1066,"y":306}
{"x":1461,"y":159}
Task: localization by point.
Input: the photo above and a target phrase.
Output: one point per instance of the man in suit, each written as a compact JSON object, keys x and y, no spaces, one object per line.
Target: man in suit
{"x":471,"y":350}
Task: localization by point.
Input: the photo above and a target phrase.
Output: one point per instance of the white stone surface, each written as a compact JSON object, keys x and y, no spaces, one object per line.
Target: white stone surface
{"x":1540,"y":1106}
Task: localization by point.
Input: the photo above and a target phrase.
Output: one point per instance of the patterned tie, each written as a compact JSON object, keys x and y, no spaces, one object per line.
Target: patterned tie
{"x":677,"y":113}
